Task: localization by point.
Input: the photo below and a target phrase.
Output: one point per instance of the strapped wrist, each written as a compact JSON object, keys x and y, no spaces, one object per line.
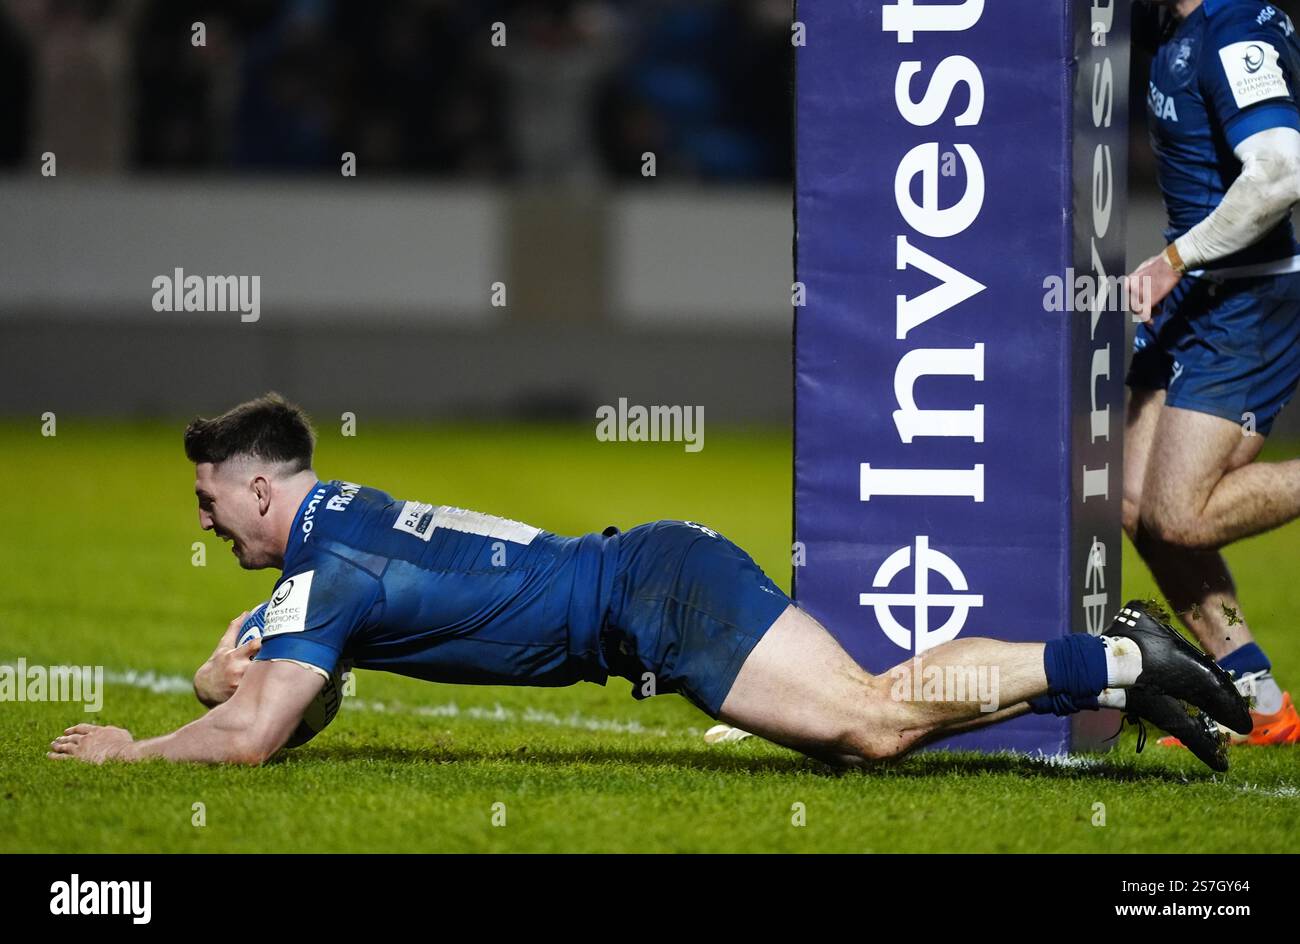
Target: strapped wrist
{"x":1175,"y":259}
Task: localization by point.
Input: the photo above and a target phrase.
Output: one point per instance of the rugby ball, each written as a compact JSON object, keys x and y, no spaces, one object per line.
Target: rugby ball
{"x":323,"y":707}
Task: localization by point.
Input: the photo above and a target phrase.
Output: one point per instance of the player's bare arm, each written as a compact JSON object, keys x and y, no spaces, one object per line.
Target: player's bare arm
{"x":249,"y":728}
{"x":1261,"y":197}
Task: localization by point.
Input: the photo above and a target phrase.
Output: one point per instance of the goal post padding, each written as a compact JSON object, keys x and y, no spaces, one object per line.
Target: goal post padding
{"x":958,"y":436}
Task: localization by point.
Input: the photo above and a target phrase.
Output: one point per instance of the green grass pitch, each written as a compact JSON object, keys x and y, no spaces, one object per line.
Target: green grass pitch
{"x":98,"y":525}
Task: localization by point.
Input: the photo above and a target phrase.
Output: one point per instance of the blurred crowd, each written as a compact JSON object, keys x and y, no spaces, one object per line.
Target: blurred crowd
{"x":578,"y":92}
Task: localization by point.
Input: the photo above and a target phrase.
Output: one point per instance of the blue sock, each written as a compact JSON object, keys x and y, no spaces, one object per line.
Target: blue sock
{"x":1062,"y":705}
{"x":1075,"y":665}
{"x":1249,"y":658}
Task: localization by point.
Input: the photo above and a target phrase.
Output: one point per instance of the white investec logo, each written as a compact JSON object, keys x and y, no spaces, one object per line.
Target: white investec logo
{"x":1095,"y":599}
{"x":920,"y":600}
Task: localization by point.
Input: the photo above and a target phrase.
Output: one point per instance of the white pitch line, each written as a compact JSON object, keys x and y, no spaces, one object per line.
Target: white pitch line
{"x":1073,"y":761}
{"x":1284,"y":792}
{"x":158,"y":684}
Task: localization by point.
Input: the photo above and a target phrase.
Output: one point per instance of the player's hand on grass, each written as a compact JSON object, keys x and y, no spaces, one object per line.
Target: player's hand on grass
{"x":1150,"y":284}
{"x":91,"y":743}
{"x":217,"y":679}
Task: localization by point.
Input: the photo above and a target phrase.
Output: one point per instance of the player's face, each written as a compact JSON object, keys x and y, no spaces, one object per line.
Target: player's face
{"x":230,"y":507}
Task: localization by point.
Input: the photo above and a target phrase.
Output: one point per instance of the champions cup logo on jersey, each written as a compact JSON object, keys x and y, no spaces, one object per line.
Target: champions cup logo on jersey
{"x":1254,"y":72}
{"x":287,"y":611}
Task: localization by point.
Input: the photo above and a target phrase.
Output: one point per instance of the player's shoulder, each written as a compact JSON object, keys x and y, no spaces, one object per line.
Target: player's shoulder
{"x":1231,"y":20}
{"x":336,"y":526}
{"x":1251,"y":55}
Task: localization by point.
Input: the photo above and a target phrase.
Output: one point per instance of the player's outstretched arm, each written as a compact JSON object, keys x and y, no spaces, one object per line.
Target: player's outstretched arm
{"x":248,"y":729}
{"x":216,"y":679}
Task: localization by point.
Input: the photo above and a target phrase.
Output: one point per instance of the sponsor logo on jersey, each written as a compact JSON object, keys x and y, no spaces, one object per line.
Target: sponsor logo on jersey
{"x":415,"y":518}
{"x":309,"y":516}
{"x":1161,"y":105}
{"x":422,"y":520}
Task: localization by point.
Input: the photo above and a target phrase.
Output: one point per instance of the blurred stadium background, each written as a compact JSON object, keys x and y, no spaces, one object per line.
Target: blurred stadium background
{"x":476,"y":164}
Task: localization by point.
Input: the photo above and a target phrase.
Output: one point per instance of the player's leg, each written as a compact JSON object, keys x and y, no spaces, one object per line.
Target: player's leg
{"x":1230,"y":360}
{"x":1204,"y":490}
{"x":693,"y":613}
{"x":1248,"y":497}
{"x":1192,"y":482}
{"x":798,"y":687}
{"x":1196,"y":582}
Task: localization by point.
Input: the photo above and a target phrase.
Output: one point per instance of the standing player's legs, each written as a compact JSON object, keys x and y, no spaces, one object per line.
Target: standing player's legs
{"x":1216,"y":367}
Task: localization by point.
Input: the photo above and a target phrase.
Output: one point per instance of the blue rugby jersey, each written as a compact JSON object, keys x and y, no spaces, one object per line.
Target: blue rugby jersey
{"x":437,"y":593}
{"x":1229,"y":70}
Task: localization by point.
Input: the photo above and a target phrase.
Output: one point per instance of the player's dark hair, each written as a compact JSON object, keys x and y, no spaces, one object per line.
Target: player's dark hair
{"x":268,"y":428}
